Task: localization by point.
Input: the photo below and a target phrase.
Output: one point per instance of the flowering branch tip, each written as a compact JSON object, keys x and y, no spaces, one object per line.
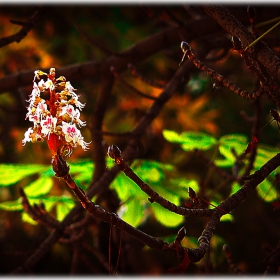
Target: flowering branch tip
{"x":56,"y":118}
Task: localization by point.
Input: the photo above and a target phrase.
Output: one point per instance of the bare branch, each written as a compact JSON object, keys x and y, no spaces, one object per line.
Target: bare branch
{"x":134,"y":54}
{"x":262,"y":52}
{"x":26,"y":27}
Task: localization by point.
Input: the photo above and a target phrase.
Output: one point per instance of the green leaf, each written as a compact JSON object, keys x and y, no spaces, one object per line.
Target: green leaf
{"x":227,"y":218}
{"x":14,"y":205}
{"x":171,"y":136}
{"x":63,"y":205}
{"x":267,"y":191}
{"x":132,"y":212}
{"x":151,"y":171}
{"x":82,"y":171}
{"x":165,"y":217}
{"x":181,"y":186}
{"x":26,"y":218}
{"x":63,"y":208}
{"x":159,"y":178}
{"x":12,"y":173}
{"x":234,"y":188}
{"x":264,"y":154}
{"x":197,"y":140}
{"x":127,"y":189}
{"x":190,"y":140}
{"x":39,"y":187}
{"x":238,"y":142}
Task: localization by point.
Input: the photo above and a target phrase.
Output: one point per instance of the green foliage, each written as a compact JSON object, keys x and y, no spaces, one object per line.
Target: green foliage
{"x":190,"y":140}
{"x":12,"y":173}
{"x":39,"y":190}
{"x":165,"y":217}
{"x":82,"y":172}
{"x":11,"y":205}
{"x":133,"y":211}
{"x":226,"y":145}
{"x":229,"y":146}
{"x":39,"y":187}
{"x":162,"y":178}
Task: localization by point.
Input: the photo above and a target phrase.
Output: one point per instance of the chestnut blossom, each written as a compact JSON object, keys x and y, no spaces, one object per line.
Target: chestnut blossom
{"x":57,"y":117}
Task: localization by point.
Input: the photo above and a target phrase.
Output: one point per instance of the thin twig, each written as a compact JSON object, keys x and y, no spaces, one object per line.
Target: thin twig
{"x":26,"y":27}
{"x":220,"y":79}
{"x":130,"y":87}
{"x":115,"y":153}
{"x":230,"y":261}
{"x":134,"y":54}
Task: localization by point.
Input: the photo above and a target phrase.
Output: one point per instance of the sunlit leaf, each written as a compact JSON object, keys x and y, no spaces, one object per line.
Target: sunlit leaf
{"x":181,"y":186}
{"x":63,"y":208}
{"x":132,"y":212}
{"x":151,"y":171}
{"x":267,"y":191}
{"x":63,"y":205}
{"x":190,"y":140}
{"x":227,"y":143}
{"x":165,"y":217}
{"x":12,"y":173}
{"x":171,"y":136}
{"x":82,"y":172}
{"x":227,"y":218}
{"x":26,"y":218}
{"x":39,"y":187}
{"x":264,"y":154}
{"x":234,"y":188}
{"x":48,"y":201}
{"x":127,"y":189}
{"x":197,"y":140}
{"x":11,"y":205}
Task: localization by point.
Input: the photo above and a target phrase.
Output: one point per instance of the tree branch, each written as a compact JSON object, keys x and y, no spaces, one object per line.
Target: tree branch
{"x":26,"y":27}
{"x":262,"y":52}
{"x":136,"y":53}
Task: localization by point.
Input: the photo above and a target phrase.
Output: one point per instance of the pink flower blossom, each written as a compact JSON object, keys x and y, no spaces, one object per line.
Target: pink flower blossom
{"x":57,"y":117}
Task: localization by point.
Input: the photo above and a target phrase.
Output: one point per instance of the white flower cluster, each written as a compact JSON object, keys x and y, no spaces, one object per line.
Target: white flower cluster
{"x":58,"y":115}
